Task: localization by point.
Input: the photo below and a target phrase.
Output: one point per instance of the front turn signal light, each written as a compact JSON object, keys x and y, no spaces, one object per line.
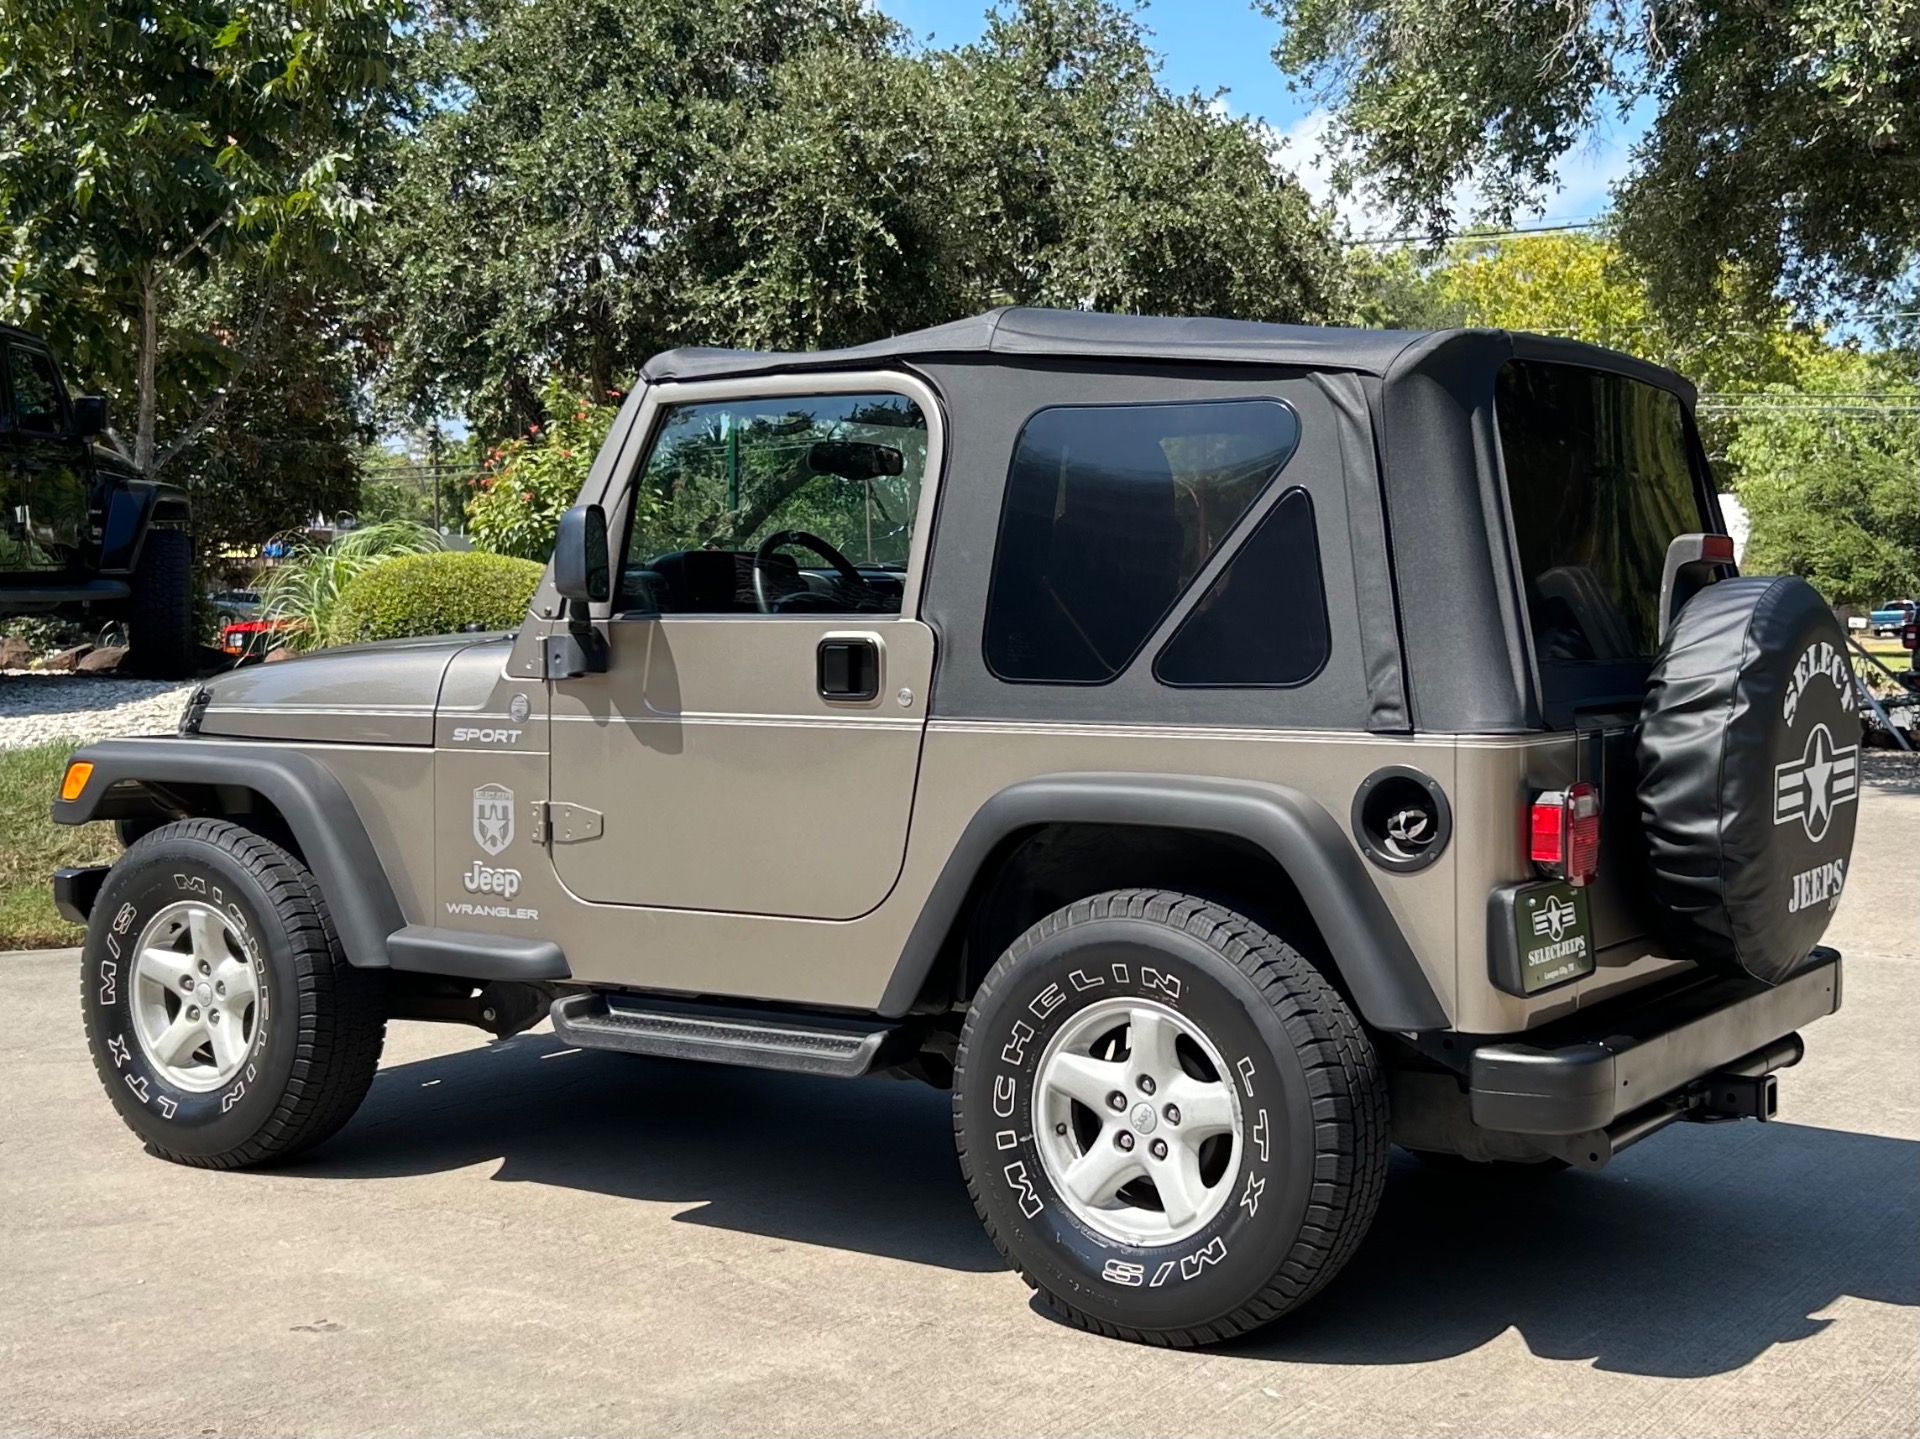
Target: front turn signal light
{"x":78,"y":773}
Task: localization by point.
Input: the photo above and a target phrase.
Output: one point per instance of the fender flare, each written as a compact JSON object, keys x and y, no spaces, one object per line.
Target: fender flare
{"x":1371,"y":954}
{"x":315,"y":806}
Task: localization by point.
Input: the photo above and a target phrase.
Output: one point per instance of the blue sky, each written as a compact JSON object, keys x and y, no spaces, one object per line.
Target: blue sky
{"x":1208,"y":45}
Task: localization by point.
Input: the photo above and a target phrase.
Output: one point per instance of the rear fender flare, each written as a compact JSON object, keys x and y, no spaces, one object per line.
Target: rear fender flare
{"x":1361,"y":934}
{"x":332,"y":839}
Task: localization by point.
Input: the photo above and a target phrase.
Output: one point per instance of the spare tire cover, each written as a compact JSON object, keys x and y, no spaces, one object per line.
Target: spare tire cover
{"x":1749,"y":757}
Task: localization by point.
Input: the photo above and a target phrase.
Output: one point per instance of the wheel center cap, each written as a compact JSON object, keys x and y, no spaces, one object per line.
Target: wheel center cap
{"x":203,"y":992}
{"x":1143,"y":1118}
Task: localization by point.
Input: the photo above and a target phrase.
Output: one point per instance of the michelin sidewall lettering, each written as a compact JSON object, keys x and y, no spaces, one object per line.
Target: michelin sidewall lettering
{"x":191,"y":1122}
{"x":1226,"y":1262}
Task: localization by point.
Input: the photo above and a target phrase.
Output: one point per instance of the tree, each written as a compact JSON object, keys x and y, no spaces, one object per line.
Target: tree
{"x":1785,"y":139}
{"x":535,"y":225}
{"x":281,"y":448}
{"x":146,"y":143}
{"x":608,"y":179}
{"x":1827,"y":477}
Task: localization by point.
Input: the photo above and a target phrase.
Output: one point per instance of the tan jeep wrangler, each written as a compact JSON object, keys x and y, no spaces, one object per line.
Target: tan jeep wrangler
{"x":1216,"y":751}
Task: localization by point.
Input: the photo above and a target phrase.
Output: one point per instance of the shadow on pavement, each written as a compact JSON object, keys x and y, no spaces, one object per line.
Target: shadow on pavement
{"x":1691,"y":1255}
{"x":866,"y":1165}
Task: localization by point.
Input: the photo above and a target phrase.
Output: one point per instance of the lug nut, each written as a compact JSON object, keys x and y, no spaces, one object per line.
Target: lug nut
{"x":1060,"y":1129}
{"x":193,"y":1011}
{"x":213,"y":1016}
{"x":205,"y":968}
{"x":1159,"y":1148}
{"x":1172,"y":1111}
{"x":1146,"y":1084}
{"x":1116,"y":1101}
{"x":220,"y":987}
{"x":186,"y":981}
{"x":1124,"y":1139}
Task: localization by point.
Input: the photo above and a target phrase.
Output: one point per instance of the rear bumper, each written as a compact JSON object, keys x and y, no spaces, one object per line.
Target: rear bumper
{"x":1630,"y":1067}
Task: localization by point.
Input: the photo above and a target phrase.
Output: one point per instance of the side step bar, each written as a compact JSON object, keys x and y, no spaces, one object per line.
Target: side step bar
{"x":673,"y":1029}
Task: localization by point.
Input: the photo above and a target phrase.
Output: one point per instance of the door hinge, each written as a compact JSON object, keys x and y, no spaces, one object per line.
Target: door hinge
{"x":564,"y":823}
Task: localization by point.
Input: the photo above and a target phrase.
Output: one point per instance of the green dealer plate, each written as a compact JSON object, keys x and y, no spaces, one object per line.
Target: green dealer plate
{"x":1551,"y":935}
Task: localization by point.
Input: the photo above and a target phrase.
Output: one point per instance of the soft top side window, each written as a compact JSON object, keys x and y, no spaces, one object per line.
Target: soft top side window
{"x":790,"y":505}
{"x":38,"y":408}
{"x":1110,"y":512}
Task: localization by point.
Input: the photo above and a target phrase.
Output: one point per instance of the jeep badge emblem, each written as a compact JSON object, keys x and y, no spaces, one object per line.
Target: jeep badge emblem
{"x":1810,"y":788}
{"x":518,"y":709}
{"x":493,"y":817}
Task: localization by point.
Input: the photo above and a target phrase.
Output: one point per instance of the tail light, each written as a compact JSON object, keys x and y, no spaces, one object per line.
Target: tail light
{"x":1563,"y":832}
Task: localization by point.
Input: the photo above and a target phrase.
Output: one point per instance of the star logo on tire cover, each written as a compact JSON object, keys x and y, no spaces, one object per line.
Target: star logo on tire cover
{"x":1810,"y":788}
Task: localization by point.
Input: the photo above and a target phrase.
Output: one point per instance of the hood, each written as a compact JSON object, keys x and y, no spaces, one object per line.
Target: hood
{"x":359,"y":694}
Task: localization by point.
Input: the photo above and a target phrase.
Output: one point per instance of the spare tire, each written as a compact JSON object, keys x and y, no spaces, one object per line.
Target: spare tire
{"x":1749,"y":756}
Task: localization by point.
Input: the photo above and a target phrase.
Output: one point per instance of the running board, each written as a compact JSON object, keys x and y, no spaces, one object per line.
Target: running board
{"x":672,"y":1029}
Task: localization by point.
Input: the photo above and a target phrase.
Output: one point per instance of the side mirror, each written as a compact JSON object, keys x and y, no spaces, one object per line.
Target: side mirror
{"x":89,"y":416}
{"x":580,"y":570}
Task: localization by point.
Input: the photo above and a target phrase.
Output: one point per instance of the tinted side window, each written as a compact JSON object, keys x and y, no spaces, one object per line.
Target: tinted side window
{"x":1600,"y":482}
{"x":1110,"y":512}
{"x":797,"y":476}
{"x":36,"y":392}
{"x":1263,"y":620}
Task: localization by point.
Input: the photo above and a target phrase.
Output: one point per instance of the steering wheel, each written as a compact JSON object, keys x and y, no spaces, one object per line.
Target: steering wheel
{"x":779,"y":540}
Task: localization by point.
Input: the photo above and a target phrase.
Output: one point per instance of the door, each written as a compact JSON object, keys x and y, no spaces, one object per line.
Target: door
{"x":754,"y":743}
{"x":44,"y":464}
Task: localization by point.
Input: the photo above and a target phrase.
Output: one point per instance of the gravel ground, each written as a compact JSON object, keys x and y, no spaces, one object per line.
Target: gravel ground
{"x":37,"y":707}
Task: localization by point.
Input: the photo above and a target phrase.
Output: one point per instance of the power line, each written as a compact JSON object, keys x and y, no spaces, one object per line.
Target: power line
{"x":1484,"y":234}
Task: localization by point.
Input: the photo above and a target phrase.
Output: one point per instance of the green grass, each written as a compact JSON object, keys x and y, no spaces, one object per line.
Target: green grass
{"x":1887,"y":647}
{"x":32,"y":847}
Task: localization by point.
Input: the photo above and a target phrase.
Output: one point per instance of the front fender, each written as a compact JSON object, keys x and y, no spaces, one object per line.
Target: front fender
{"x":1372,"y":955}
{"x":308,"y":797}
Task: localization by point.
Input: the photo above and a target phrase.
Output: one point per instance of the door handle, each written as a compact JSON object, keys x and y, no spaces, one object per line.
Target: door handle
{"x":848,"y":667}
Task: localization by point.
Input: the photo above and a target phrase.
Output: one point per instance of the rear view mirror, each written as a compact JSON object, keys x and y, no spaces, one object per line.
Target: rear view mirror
{"x":853,"y":459}
{"x":89,"y":416}
{"x":580,"y":569}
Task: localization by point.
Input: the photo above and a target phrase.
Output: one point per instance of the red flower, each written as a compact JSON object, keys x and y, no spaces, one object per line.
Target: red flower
{"x":526,"y":496}
{"x":533,"y":429}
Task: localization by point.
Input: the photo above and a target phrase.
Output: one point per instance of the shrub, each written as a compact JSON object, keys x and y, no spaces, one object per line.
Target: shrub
{"x":516,"y":505}
{"x":435,"y":594}
{"x":305,"y":589}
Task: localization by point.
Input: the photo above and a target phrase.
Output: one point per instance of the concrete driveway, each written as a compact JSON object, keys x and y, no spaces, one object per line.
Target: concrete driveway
{"x":514,"y":1238}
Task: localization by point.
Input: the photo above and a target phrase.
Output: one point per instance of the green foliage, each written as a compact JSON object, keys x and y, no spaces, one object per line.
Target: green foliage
{"x":619,"y":179}
{"x":1830,"y":492}
{"x":1784,"y":140}
{"x":281,"y":447}
{"x":306,"y":588}
{"x":32,"y":846}
{"x":530,"y":480}
{"x":147,"y":146}
{"x":435,"y":594}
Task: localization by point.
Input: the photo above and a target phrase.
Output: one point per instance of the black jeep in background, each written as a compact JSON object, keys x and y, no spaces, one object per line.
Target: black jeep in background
{"x":82,"y":533}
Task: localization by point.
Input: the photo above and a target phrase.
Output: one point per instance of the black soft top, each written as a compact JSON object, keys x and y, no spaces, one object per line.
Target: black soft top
{"x":1084,"y":334}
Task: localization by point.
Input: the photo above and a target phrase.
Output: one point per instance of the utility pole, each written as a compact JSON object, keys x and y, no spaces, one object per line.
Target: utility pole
{"x":433,"y":469}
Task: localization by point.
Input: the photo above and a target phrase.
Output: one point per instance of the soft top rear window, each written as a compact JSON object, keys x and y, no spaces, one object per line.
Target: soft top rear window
{"x":1600,"y":479}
